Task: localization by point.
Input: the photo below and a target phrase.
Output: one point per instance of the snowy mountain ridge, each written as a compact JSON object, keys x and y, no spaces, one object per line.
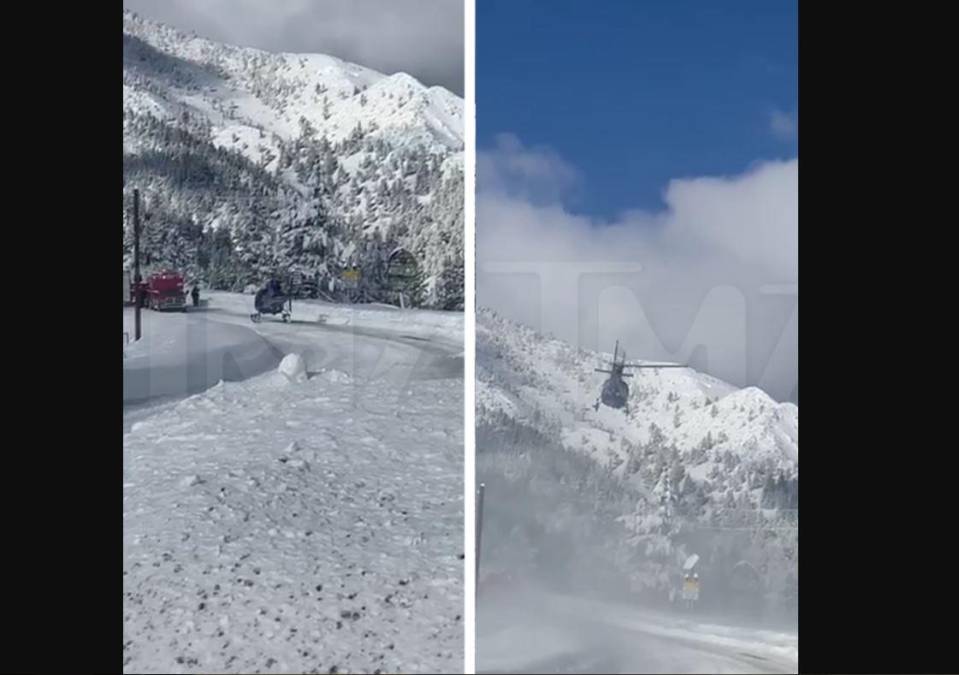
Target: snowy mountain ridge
{"x":273,"y":91}
{"x":548,"y":384}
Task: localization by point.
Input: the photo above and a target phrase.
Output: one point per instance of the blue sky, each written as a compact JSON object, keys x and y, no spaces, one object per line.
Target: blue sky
{"x":634,"y":93}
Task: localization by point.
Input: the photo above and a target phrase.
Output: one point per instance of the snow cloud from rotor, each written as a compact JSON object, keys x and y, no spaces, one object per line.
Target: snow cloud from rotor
{"x":710,"y":280}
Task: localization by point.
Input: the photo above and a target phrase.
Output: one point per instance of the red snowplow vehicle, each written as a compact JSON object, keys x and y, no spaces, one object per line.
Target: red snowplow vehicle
{"x":164,"y":290}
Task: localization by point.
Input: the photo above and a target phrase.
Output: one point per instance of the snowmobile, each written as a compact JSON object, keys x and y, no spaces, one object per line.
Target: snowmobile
{"x":271,"y":300}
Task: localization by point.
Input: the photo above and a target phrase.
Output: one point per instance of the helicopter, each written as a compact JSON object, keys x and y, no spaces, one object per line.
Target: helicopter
{"x":271,"y":300}
{"x":615,"y":393}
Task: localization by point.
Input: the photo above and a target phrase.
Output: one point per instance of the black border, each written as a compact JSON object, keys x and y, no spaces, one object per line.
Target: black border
{"x":880,"y":471}
{"x":62,"y":478}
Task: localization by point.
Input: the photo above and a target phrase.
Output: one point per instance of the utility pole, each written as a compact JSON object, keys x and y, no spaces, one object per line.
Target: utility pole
{"x":137,"y":293}
{"x":479,"y":527}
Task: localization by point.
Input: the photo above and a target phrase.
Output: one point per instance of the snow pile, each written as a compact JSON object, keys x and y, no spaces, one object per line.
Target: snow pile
{"x":293,"y":368}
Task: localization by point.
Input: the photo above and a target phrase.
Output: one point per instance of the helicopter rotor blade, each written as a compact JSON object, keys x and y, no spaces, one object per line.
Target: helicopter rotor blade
{"x":654,"y":365}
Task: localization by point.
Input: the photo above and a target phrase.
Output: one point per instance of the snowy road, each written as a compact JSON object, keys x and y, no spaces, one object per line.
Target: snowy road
{"x":296,"y":526}
{"x":547,"y":633}
{"x":182,"y":354}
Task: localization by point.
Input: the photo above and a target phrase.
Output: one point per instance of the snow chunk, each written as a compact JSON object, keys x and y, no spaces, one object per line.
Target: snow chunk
{"x":293,"y":367}
{"x":334,"y":376}
{"x":190,"y":481}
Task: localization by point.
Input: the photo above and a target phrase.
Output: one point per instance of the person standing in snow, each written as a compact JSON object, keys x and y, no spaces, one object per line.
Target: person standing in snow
{"x":195,"y":294}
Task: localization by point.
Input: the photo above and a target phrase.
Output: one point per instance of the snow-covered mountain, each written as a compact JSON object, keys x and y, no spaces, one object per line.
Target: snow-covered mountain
{"x":251,"y":161}
{"x":549,"y":383}
{"x":691,"y":461}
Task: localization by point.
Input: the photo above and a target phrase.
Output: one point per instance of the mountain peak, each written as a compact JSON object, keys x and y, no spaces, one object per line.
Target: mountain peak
{"x":274,"y":91}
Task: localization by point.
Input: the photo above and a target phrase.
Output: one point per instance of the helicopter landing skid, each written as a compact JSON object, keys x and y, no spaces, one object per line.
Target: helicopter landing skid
{"x":258,"y":316}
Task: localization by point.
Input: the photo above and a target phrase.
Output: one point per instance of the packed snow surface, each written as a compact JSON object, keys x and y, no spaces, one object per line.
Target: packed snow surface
{"x":530,"y":630}
{"x":312,"y":524}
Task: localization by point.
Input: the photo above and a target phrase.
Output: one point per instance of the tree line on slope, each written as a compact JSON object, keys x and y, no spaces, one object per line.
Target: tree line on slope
{"x":560,"y":516}
{"x":229,"y":222}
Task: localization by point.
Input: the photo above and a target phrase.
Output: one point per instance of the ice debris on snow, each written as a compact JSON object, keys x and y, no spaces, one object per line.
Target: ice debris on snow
{"x":299,"y":464}
{"x":334,"y":376}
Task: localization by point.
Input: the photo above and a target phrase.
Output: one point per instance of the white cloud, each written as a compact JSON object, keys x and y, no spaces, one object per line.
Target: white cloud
{"x":538,"y":174}
{"x":687,"y":280}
